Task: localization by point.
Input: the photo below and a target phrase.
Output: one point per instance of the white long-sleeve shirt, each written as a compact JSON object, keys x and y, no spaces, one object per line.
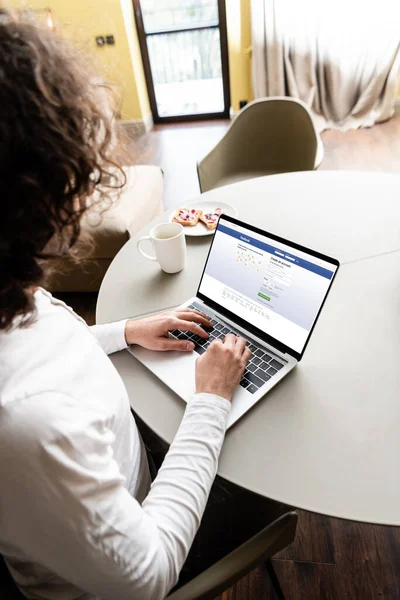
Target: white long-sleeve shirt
{"x":77,"y":516}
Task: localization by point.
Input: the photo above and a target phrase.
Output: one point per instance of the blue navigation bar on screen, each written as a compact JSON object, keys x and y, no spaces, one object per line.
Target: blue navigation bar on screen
{"x":300,"y":262}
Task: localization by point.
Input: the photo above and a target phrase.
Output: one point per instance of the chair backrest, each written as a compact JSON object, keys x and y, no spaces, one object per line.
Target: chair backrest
{"x":8,"y":589}
{"x":206,"y":586}
{"x":276,"y":536}
{"x":272,"y":135}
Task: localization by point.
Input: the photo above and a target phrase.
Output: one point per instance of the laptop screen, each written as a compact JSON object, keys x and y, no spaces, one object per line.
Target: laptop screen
{"x":273,"y":285}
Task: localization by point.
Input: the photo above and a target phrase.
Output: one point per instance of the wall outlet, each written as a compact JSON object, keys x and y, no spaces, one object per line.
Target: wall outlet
{"x":110,"y":40}
{"x":100,"y":40}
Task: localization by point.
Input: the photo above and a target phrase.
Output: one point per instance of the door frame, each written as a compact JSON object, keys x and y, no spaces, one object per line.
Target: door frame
{"x":225,"y":114}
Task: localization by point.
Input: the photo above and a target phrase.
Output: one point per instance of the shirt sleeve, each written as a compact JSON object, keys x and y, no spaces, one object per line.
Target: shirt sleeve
{"x":111,"y":336}
{"x":81,"y":522}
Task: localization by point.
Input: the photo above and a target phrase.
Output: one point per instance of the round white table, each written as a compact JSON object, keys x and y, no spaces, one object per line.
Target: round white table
{"x":327,"y":438}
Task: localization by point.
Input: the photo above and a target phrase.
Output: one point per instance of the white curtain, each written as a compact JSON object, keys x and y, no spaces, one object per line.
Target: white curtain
{"x":341,"y":57}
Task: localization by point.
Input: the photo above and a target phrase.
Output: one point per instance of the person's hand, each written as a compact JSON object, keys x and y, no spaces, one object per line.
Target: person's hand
{"x":220,"y":368}
{"x":152,"y":332}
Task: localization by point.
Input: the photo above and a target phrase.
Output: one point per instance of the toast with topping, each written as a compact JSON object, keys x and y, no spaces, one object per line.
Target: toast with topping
{"x":210,"y":220}
{"x":188,"y":217}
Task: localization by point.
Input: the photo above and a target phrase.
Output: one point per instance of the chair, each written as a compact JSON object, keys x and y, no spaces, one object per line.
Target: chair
{"x":272,"y":135}
{"x":140,"y":201}
{"x":231,"y":568}
{"x":220,"y":576}
{"x":8,"y":589}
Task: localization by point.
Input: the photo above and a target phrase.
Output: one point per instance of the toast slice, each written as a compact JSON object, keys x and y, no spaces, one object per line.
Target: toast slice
{"x":188,"y":217}
{"x":210,"y":220}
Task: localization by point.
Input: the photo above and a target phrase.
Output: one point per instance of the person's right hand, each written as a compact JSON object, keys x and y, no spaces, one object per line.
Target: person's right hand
{"x":220,"y":368}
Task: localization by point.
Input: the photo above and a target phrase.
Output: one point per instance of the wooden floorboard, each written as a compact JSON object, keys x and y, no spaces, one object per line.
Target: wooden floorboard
{"x":256,"y":585}
{"x":373,"y":149}
{"x":176,"y":149}
{"x":314,"y":541}
{"x":310,"y":581}
{"x":330,"y":559}
{"x":370,"y":554}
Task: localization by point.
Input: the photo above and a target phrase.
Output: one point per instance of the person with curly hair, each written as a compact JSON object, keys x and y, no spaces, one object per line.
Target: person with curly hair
{"x":79,"y":517}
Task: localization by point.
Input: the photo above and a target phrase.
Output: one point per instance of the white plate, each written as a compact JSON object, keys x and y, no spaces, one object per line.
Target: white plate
{"x":206,"y":206}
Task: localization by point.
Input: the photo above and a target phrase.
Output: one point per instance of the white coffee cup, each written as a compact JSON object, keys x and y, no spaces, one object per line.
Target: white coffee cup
{"x":169,"y":244}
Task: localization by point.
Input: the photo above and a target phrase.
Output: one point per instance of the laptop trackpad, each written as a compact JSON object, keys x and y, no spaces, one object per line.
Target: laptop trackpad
{"x":175,"y":369}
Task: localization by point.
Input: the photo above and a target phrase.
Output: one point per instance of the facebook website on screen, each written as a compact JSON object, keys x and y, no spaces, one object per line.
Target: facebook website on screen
{"x":274,"y":287}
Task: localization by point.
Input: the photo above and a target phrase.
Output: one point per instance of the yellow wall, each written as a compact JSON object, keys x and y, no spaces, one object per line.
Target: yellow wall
{"x":239,"y":43}
{"x":136,"y":58}
{"x":81,"y":21}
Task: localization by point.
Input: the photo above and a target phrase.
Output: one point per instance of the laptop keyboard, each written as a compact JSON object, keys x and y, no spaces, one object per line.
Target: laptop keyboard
{"x":260,"y":368}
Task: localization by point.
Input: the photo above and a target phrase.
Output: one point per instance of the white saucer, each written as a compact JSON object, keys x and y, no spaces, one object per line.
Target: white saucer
{"x":206,"y":206}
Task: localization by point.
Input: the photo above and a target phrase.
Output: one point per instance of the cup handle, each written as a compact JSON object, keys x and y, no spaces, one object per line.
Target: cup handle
{"x":142,"y":239}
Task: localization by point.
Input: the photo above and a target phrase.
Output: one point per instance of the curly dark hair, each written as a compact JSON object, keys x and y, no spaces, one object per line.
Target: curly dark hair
{"x":58,"y":141}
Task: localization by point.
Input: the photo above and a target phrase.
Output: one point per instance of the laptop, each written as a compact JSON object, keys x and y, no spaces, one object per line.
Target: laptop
{"x":259,"y":286}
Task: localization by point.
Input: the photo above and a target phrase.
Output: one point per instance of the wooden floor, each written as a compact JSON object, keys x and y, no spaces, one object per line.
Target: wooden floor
{"x":177,"y":148}
{"x":330,"y":559}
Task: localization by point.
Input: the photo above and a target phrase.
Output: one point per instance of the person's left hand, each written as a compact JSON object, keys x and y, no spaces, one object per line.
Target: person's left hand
{"x":152,"y":332}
